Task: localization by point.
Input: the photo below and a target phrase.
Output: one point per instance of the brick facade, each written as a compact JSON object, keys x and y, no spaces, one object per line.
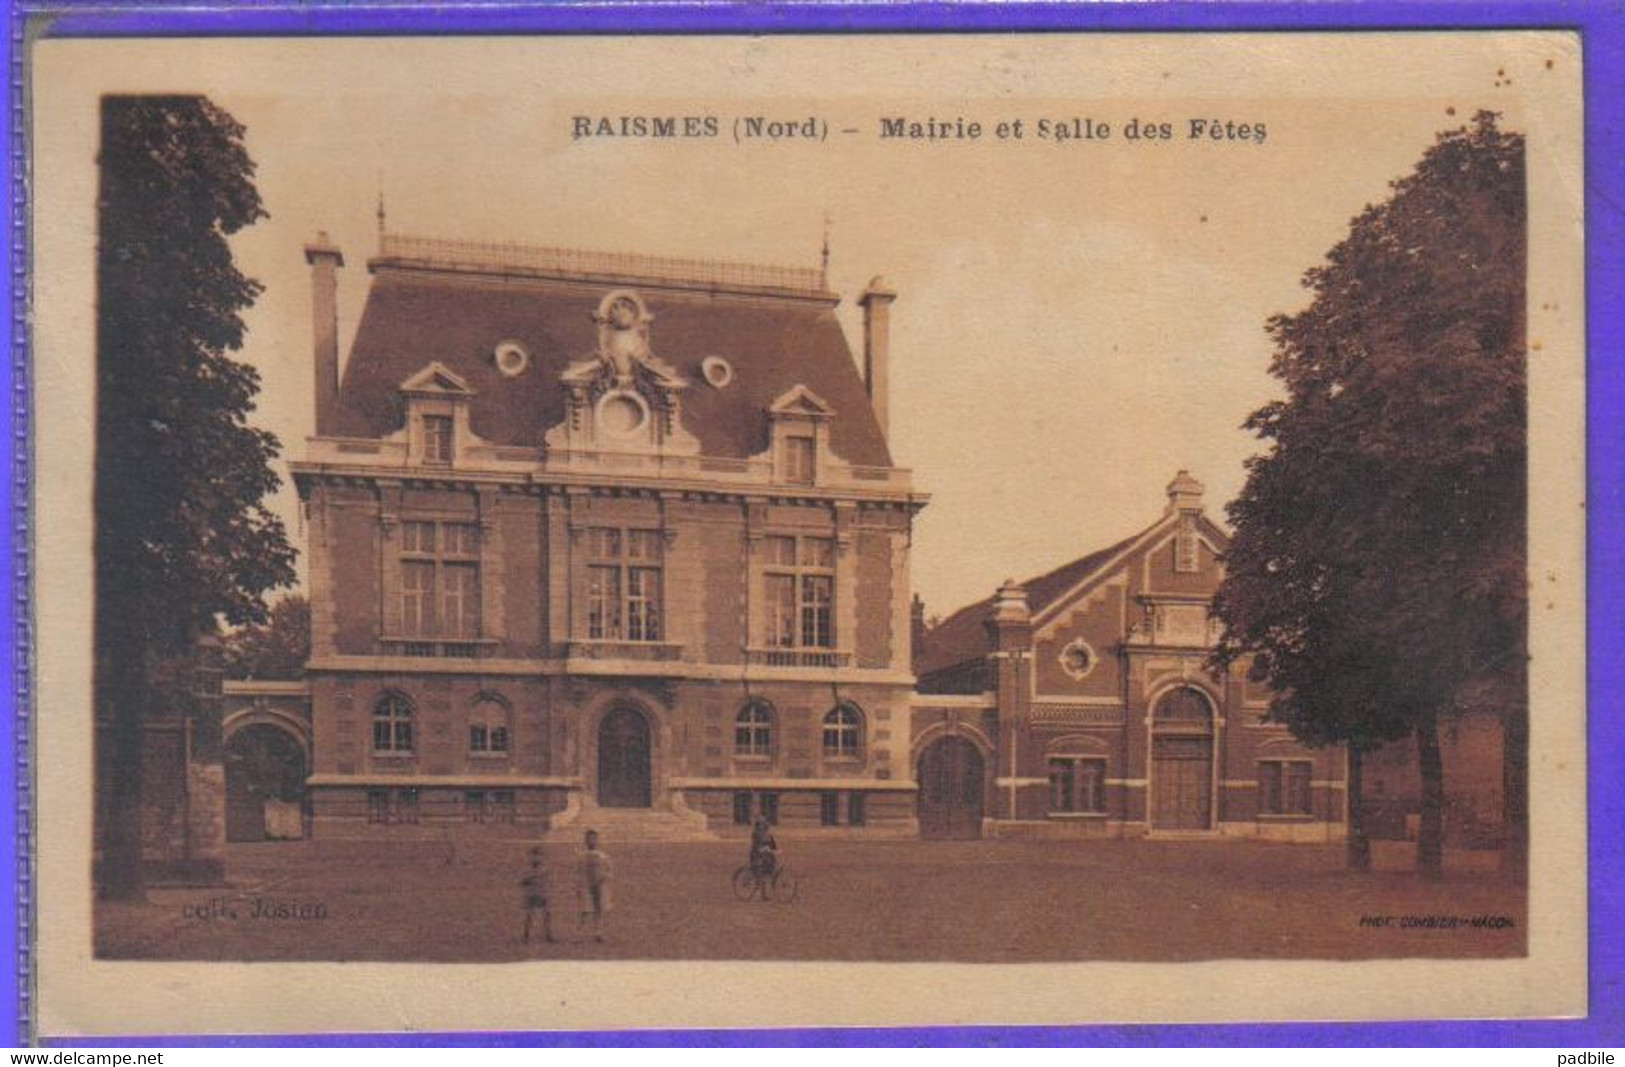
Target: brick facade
{"x":568,"y":527}
{"x":1079,"y":703}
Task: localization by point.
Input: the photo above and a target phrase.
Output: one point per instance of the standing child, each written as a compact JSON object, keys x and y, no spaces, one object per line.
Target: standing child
{"x":595,"y":876}
{"x":534,"y":885}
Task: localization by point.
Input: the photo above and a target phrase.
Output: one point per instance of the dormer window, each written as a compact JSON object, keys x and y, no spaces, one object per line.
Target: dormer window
{"x":801,"y":459}
{"x":437,"y":402}
{"x":799,"y":423}
{"x":437,"y":438}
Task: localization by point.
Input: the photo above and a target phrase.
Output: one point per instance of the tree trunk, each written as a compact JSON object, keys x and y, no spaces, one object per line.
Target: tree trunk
{"x":120,"y":700}
{"x":1430,"y":840}
{"x":1515,"y":792}
{"x":1359,"y":844}
{"x":120,"y":703}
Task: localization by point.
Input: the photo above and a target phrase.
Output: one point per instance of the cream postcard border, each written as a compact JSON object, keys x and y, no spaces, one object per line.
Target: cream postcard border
{"x":81,"y":995}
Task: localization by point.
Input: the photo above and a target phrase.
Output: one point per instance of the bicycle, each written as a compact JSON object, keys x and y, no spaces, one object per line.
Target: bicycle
{"x":779,"y":885}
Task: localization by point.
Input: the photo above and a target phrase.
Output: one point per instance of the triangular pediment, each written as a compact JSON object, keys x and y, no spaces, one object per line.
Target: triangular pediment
{"x":803,"y":402}
{"x":437,"y":379}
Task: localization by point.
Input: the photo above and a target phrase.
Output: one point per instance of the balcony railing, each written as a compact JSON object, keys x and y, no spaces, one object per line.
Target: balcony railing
{"x":642,"y":651}
{"x":438,"y":647}
{"x":537,"y":259}
{"x":799,"y":657}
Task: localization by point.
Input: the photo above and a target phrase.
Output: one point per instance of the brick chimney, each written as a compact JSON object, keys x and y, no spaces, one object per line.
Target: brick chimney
{"x":1184,"y":493}
{"x":877,"y":300}
{"x":325,"y":259}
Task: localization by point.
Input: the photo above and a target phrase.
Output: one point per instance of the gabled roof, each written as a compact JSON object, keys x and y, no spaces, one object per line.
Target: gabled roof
{"x":962,"y":635}
{"x":957,"y":645}
{"x":417,"y":316}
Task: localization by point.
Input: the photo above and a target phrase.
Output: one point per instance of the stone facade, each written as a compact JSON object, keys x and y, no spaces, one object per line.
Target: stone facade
{"x":1079,"y":703}
{"x":603,"y":540}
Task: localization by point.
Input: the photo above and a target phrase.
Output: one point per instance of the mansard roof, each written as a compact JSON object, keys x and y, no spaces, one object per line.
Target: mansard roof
{"x":775,"y":338}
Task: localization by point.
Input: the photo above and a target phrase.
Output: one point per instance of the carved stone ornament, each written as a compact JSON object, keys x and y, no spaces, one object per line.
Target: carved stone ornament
{"x":623,"y":335}
{"x":622,"y":397}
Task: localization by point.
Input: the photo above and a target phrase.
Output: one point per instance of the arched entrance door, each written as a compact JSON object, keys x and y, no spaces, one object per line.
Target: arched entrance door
{"x":623,"y":759}
{"x":1182,"y":761}
{"x":265,"y":784}
{"x":951,"y":789}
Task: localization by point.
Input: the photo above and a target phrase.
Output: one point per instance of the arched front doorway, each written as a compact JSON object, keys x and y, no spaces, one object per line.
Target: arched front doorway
{"x":623,"y":759}
{"x":1182,"y":761}
{"x":265,"y":784}
{"x":951,"y":789}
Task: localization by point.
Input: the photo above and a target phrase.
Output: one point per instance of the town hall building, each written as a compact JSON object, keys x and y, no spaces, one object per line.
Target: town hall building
{"x":603,"y":540}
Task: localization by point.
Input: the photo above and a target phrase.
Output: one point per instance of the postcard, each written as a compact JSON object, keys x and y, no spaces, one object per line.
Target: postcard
{"x":727,"y":531}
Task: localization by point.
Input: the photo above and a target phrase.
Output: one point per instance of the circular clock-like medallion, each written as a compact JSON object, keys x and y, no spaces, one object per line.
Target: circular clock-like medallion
{"x":1077,"y":658}
{"x":511,"y":358}
{"x":718,"y":371}
{"x":622,"y":414}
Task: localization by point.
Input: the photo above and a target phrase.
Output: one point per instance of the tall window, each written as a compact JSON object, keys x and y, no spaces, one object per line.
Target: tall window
{"x":843,"y":732}
{"x":1284,"y":787}
{"x":440,"y":579}
{"x":392,"y":724}
{"x":800,"y":592}
{"x":488,"y":728}
{"x":1077,"y":785}
{"x":623,"y":585}
{"x":437,"y":431}
{"x":800,"y":460}
{"x":753,"y":730}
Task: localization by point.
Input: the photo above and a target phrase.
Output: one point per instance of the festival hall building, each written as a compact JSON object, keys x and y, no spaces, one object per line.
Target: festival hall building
{"x":1079,"y":702}
{"x":601,"y":539}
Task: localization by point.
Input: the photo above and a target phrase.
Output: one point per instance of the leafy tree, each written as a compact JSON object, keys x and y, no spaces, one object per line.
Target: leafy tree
{"x":1377,"y":572}
{"x":183,"y":536}
{"x":276,"y":651}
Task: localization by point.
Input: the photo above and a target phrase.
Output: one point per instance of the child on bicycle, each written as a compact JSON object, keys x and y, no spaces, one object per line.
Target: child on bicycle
{"x":764,"y":850}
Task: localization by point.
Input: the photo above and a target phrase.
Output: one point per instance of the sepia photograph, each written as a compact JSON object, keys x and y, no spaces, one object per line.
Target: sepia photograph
{"x":1096,"y":515}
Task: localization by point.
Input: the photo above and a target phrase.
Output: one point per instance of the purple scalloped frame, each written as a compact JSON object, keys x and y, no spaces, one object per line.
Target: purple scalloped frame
{"x":1602,"y":26}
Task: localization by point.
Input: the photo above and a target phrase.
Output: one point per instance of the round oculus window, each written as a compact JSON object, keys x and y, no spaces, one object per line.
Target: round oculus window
{"x":511,"y":358}
{"x":718,"y":371}
{"x":1077,"y":658}
{"x":621,"y":414}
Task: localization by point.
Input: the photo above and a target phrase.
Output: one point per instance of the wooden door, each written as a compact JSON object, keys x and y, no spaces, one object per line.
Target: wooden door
{"x":951,"y":789}
{"x":623,"y":760}
{"x":1182,"y":783}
